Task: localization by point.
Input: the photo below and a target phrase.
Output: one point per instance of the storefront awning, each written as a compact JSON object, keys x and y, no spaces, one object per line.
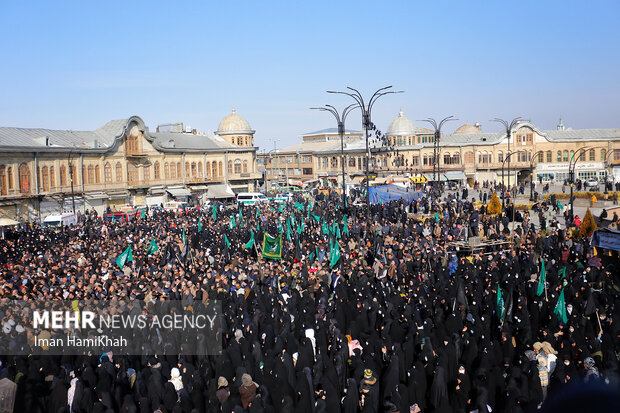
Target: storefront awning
{"x":220,"y":191}
{"x":455,"y":176}
{"x":118,"y":195}
{"x":157,"y":190}
{"x":99,"y":195}
{"x":198,"y":187}
{"x":178,"y":192}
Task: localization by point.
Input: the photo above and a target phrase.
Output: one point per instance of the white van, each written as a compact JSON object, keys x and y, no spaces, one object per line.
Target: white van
{"x":251,"y":198}
{"x":56,"y":220}
{"x":175,"y":206}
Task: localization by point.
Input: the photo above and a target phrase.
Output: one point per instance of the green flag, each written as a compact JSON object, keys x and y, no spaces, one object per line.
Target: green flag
{"x":232,"y":224}
{"x":226,"y":241}
{"x":124,"y":258}
{"x":334,"y":254}
{"x":112,"y":217}
{"x":560,"y":308}
{"x":325,"y":228}
{"x":311,"y":257}
{"x":152,"y":249}
{"x":299,"y":206}
{"x":562,"y":273}
{"x":288,"y":229}
{"x":143,"y":214}
{"x":250,"y":243}
{"x":337,"y":230}
{"x":559,"y":204}
{"x":199,"y":225}
{"x":257,"y":211}
{"x":345,"y":228}
{"x":214,"y":212}
{"x":258,"y":225}
{"x":316,"y":217}
{"x":541,"y":279}
{"x":240,"y":219}
{"x":272,"y":247}
{"x":300,"y":228}
{"x":500,"y":303}
{"x":436,"y":216}
{"x":184,"y":238}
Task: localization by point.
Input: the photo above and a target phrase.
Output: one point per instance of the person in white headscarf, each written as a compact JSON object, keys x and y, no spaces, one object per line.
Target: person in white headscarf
{"x":71,"y":393}
{"x":176,"y":379}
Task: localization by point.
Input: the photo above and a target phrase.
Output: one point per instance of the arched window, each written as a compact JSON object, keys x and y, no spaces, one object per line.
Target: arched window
{"x":119,"y":172}
{"x":221,"y":168}
{"x":500,"y":156}
{"x":565,"y":156}
{"x":446,"y":158}
{"x":592,"y":156}
{"x":603,"y":155}
{"x":208,"y":169}
{"x":3,"y":184}
{"x":572,"y":156}
{"x":559,"y":156}
{"x":200,"y":169}
{"x":214,"y":169}
{"x":146,"y":173}
{"x":456,"y":159}
{"x":39,"y":178}
{"x":132,"y":173}
{"x":540,"y":157}
{"x":24,"y":179}
{"x":245,"y":166}
{"x":63,"y":175}
{"x":46,"y":179}
{"x":237,"y":166}
{"x":73,"y":176}
{"x":187,"y":169}
{"x":167,"y":170}
{"x":325,"y":162}
{"x":156,"y":170}
{"x":9,"y":173}
{"x":194,"y":171}
{"x":131,"y":144}
{"x":230,"y":167}
{"x":469,"y":158}
{"x":179,"y":173}
{"x":107,"y":172}
{"x":97,"y":174}
{"x":52,"y":177}
{"x":549,"y":157}
{"x":91,"y":175}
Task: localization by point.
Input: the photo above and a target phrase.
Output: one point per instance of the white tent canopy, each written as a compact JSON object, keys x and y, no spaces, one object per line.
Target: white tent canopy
{"x":220,"y":191}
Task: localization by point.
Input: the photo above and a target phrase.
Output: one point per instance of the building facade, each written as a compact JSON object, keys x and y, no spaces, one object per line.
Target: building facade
{"x":468,"y":154}
{"x":45,"y":171}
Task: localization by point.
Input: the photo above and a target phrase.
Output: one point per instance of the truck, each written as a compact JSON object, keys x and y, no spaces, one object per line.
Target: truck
{"x":58,"y":220}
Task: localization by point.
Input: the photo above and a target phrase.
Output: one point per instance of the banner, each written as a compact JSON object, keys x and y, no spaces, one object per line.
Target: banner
{"x":272,"y":247}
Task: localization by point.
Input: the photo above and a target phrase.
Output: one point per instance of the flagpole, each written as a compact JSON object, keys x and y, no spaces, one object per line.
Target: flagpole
{"x":599,"y":323}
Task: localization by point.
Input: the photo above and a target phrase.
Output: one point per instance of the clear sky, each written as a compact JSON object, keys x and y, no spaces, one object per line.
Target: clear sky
{"x":76,"y":65}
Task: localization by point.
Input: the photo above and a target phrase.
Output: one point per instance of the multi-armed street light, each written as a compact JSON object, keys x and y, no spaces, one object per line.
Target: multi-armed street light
{"x":437,"y":128}
{"x":508,"y":127}
{"x":340,"y":119}
{"x":366,"y":123}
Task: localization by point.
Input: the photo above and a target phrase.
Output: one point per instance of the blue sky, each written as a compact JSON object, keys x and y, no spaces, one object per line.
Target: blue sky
{"x":76,"y":65}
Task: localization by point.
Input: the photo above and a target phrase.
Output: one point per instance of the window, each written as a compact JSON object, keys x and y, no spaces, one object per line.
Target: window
{"x":485,"y":157}
{"x":307,"y":171}
{"x":9,"y":173}
{"x":617,"y":155}
{"x":91,"y":175}
{"x":230,"y":167}
{"x":131,"y":144}
{"x":146,"y":173}
{"x":166,"y":170}
{"x":446,"y":158}
{"x":469,"y":158}
{"x":24,"y":179}
{"x":194,"y":171}
{"x":237,"y":166}
{"x":119,"y":172}
{"x":572,"y":156}
{"x":107,"y":173}
{"x":500,"y":156}
{"x":530,"y":138}
{"x":3,"y":185}
{"x":63,"y":175}
{"x":221,"y":168}
{"x":156,"y":172}
{"x":73,"y":176}
{"x":200,"y":169}
{"x":208,"y":169}
{"x":214,"y":169}
{"x":245,"y":166}
{"x":187,"y":169}
{"x":352,"y":162}
{"x":306,"y":159}
{"x":52,"y":177}
{"x":179,"y":172}
{"x":549,"y":156}
{"x":540,"y":157}
{"x":334,"y":162}
{"x":592,"y":155}
{"x":415,"y":161}
{"x":565,"y":156}
{"x":132,"y":173}
{"x":97,"y":175}
{"x":582,"y":156}
{"x":603,"y":155}
{"x":325,"y":162}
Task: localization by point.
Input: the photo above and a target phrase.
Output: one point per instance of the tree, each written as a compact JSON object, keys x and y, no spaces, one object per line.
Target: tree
{"x":495,"y":207}
{"x":588,"y":225}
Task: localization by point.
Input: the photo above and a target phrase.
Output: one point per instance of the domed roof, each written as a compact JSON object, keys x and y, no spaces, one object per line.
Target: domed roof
{"x":234,"y":123}
{"x":401,"y":126}
{"x":468,"y":129}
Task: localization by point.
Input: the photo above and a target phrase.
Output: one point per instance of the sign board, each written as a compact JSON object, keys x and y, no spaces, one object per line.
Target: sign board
{"x":606,"y":238}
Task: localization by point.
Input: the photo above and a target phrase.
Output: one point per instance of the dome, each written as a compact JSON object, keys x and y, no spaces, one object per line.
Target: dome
{"x":234,"y":123}
{"x":401,"y":126}
{"x":469,"y":129}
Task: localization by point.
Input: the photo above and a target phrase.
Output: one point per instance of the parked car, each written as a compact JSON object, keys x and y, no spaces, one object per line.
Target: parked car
{"x":251,"y":198}
{"x":591,"y":183}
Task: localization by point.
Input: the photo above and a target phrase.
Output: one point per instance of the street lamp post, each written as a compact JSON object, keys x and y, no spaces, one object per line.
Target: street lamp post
{"x":571,"y":175}
{"x":366,"y":112}
{"x":507,"y":158}
{"x":437,"y":127}
{"x":532,"y":174}
{"x":607,"y":158}
{"x":340,"y":119}
{"x":508,"y":127}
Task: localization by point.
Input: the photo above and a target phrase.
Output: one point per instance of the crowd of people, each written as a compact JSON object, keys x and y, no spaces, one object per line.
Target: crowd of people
{"x":378,"y":313}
